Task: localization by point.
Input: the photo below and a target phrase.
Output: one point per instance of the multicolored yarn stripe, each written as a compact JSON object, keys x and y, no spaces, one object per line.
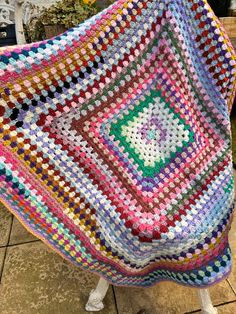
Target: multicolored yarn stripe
{"x":115,"y":142}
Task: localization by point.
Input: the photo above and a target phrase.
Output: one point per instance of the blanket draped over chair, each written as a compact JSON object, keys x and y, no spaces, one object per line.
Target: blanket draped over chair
{"x":115,"y":142}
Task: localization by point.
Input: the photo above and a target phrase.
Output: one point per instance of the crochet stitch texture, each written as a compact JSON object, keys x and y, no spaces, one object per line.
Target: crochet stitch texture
{"x":115,"y":142}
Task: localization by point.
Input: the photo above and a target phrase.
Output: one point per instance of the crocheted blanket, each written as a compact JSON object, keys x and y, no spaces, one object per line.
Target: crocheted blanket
{"x":115,"y":142}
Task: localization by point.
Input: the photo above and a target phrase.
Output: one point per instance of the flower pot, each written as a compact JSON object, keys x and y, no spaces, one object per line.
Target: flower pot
{"x":54,"y":30}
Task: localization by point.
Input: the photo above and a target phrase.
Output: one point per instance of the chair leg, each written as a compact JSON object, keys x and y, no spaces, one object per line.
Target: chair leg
{"x":205,"y":302}
{"x":96,"y":296}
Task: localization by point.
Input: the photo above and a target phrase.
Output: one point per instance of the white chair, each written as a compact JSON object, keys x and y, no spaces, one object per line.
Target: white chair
{"x":97,"y":295}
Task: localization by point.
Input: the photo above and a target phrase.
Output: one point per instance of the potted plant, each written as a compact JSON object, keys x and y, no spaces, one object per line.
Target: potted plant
{"x":61,"y":16}
{"x":65,"y":14}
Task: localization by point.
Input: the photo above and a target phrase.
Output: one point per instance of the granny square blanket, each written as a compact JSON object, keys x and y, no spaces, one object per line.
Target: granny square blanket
{"x":115,"y":142}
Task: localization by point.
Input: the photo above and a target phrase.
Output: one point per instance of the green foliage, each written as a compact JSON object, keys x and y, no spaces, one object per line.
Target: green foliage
{"x":34,"y":31}
{"x":68,"y":13}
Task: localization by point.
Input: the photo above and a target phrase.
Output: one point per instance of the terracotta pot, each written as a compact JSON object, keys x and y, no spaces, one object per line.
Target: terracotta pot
{"x":54,"y":30}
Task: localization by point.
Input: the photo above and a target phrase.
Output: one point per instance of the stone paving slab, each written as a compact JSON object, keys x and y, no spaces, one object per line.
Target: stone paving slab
{"x":229,"y":308}
{"x":36,"y":280}
{"x":2,"y":254}
{"x":5,"y":224}
{"x":168,"y":298}
{"x":19,"y":233}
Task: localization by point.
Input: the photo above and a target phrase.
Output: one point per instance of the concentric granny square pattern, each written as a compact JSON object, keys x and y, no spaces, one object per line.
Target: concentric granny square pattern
{"x":115,"y":142}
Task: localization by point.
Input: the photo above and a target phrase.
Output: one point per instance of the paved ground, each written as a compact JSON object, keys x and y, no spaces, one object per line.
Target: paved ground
{"x":35,"y":280}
